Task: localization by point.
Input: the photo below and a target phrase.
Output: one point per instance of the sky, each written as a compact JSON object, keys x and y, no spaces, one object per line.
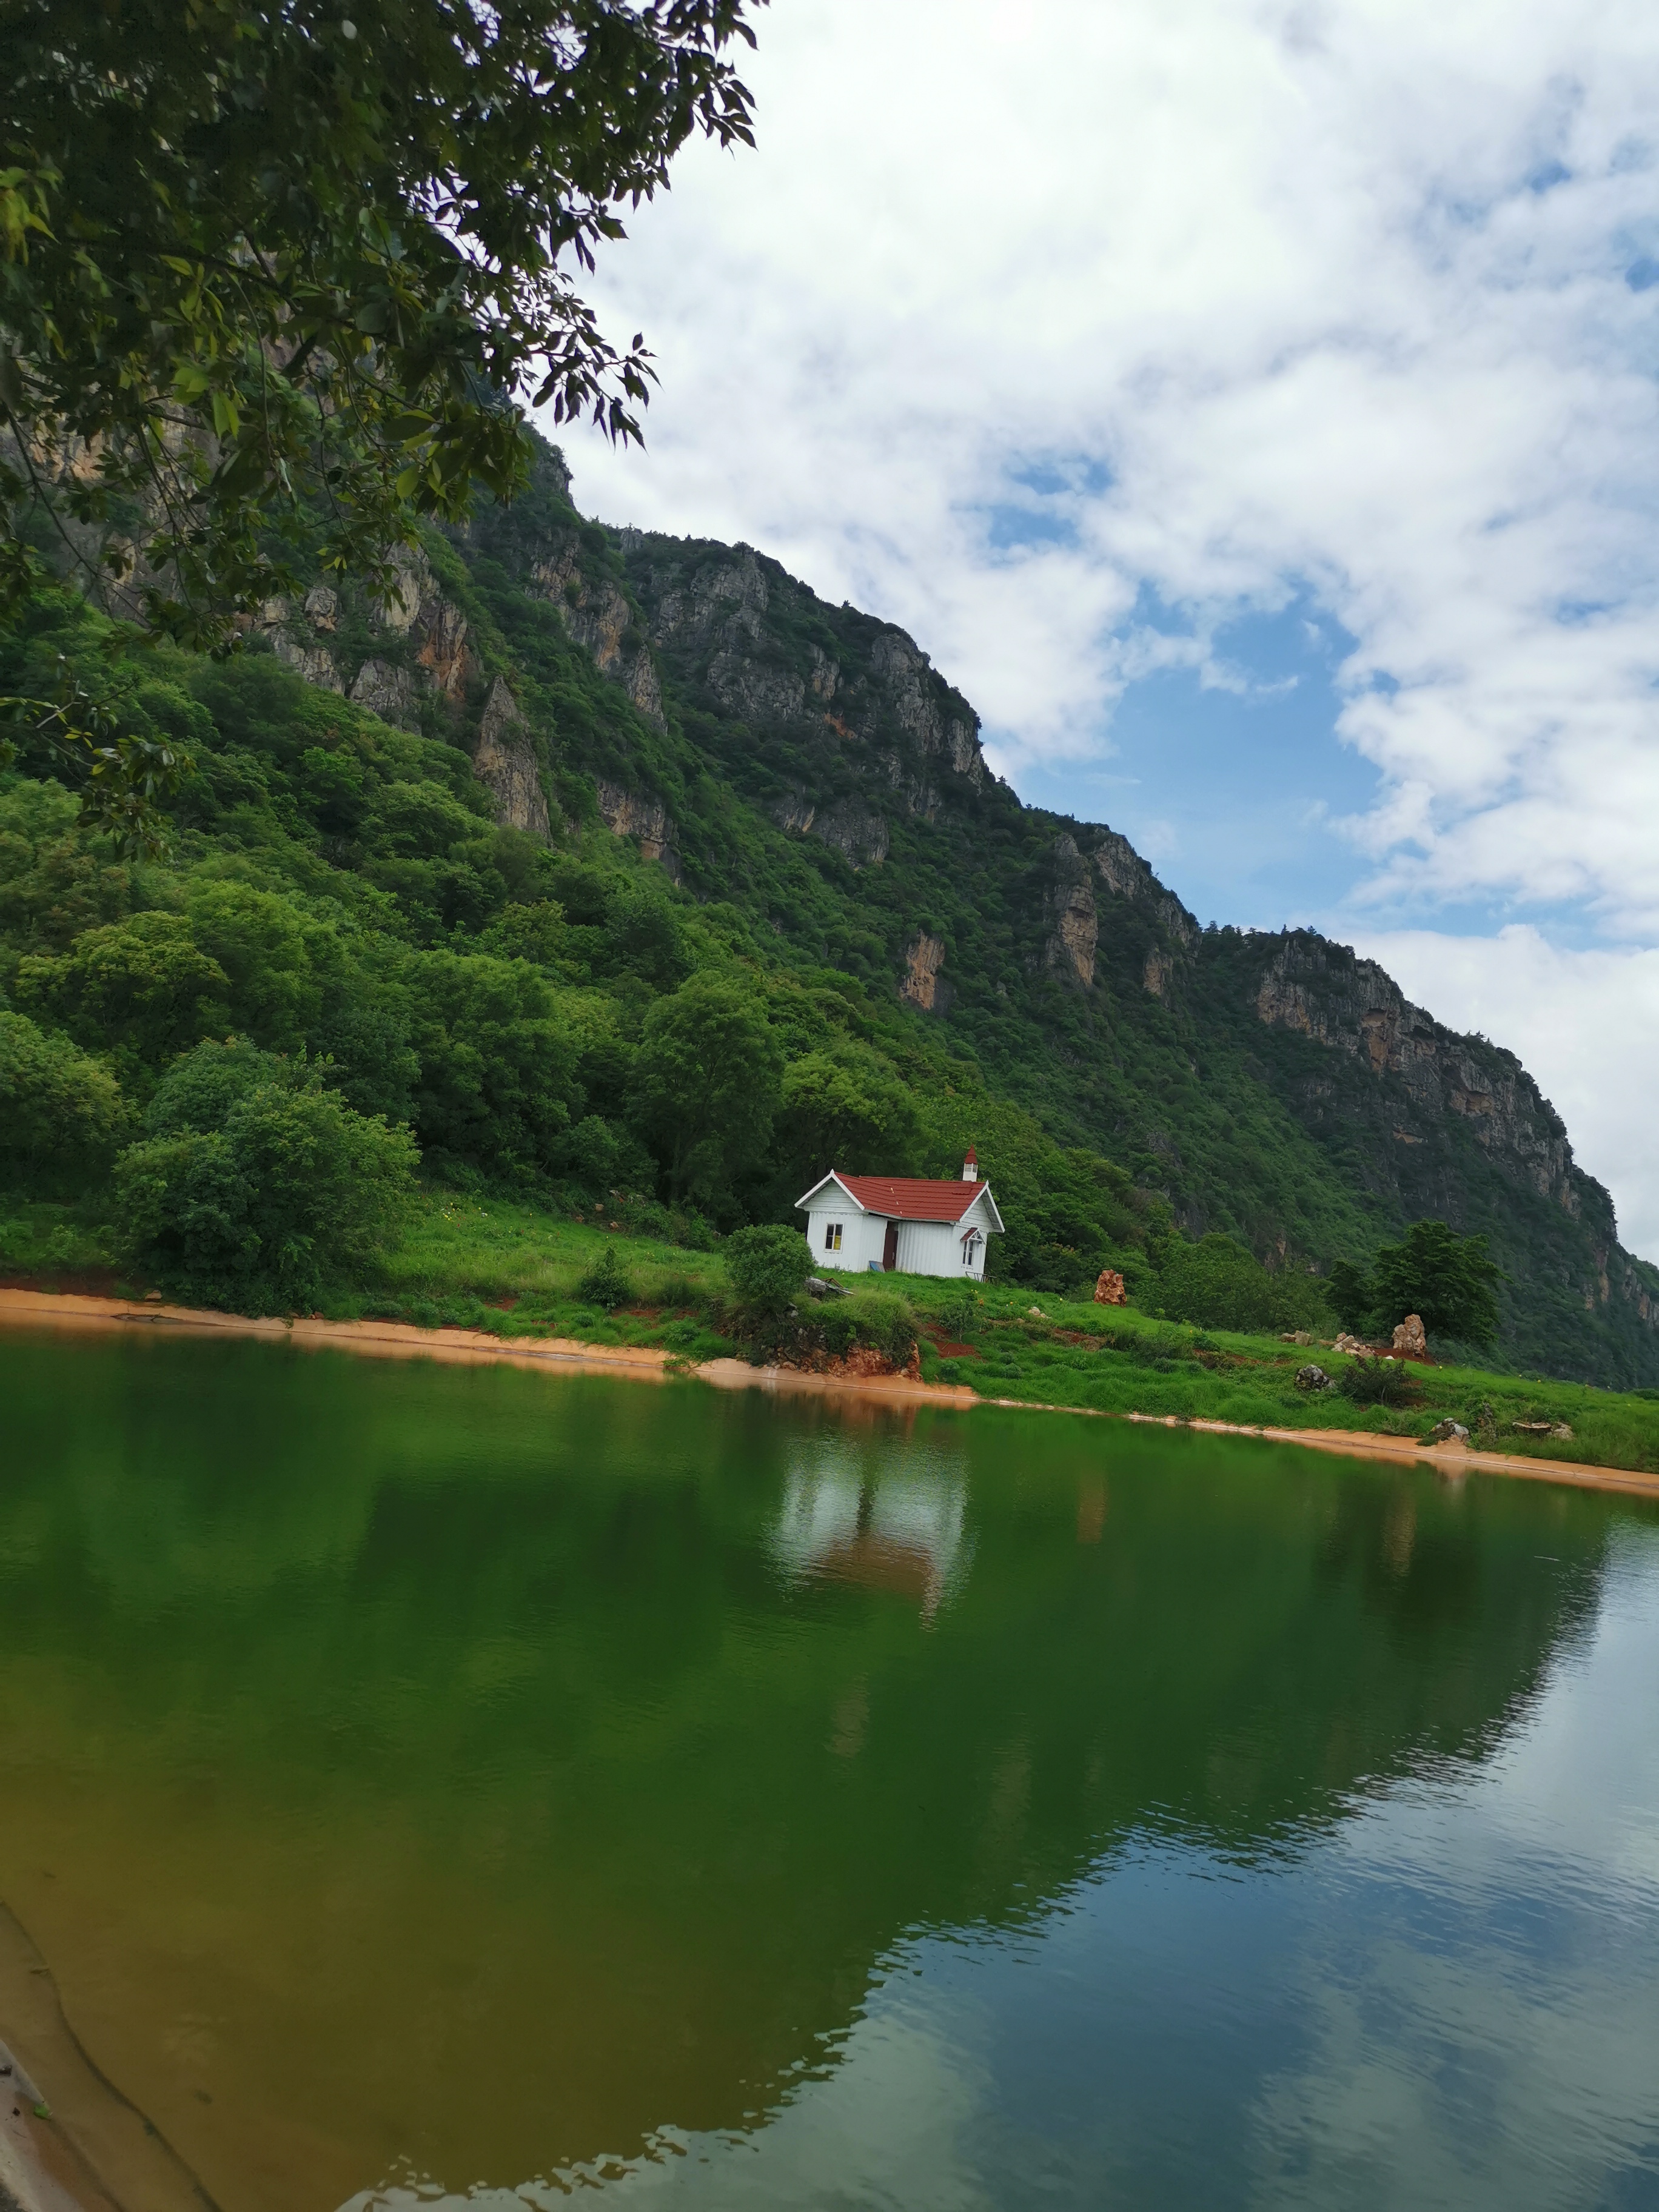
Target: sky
{"x":1252,"y":407}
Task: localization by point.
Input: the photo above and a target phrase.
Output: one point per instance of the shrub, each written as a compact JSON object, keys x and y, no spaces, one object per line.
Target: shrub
{"x":885,"y":1322}
{"x":1378,"y":1383}
{"x":1215,"y":1283}
{"x":960,"y":1310}
{"x":606,"y":1282}
{"x":839,"y":1329}
{"x":767,"y":1268}
{"x":291,"y":1190}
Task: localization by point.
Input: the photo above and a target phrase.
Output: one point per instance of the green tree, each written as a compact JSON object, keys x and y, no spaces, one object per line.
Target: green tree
{"x":268,"y":274}
{"x":845,"y":1107}
{"x":61,"y":1111}
{"x":143,"y":984}
{"x":706,"y":1081}
{"x":498,"y":1080}
{"x":271,"y":1189}
{"x":1450,"y":1281}
{"x":1352,"y":1293}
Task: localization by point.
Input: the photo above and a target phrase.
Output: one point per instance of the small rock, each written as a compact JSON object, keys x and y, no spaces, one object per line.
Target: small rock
{"x":818,"y":1288}
{"x":1108,"y":1288}
{"x":1563,"y":1429}
{"x":1313,"y":1378}
{"x":1352,"y":1347}
{"x":1296,"y":1336}
{"x":1409,"y":1337}
{"x":1038,"y":1311}
{"x":1449,"y":1432}
{"x":152,"y":1297}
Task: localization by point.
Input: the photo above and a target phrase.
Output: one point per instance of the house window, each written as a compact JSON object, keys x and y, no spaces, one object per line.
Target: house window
{"x":971,"y":1244}
{"x":832,"y":1236}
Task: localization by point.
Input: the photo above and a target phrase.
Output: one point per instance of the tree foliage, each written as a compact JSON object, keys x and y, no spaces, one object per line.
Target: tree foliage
{"x":705,"y":1086}
{"x":1451,"y":1281}
{"x":255,"y":1186}
{"x":272,"y":276}
{"x":766,"y":1266}
{"x":61,"y":1111}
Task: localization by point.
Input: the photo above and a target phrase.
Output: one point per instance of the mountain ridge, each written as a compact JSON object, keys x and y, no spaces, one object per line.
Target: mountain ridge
{"x":836,"y":726}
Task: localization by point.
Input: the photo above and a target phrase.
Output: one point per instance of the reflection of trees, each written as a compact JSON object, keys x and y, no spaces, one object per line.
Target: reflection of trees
{"x":585,"y":1744}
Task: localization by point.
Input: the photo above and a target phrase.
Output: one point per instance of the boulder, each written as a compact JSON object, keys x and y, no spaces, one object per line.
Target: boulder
{"x":1296,"y":1336}
{"x":1352,"y":1347}
{"x":1449,"y":1432}
{"x":1108,"y":1288}
{"x":1410,"y":1339}
{"x":1313,"y":1378}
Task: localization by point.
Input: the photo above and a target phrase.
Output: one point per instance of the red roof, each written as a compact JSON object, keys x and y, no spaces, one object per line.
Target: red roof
{"x":912,"y":1198}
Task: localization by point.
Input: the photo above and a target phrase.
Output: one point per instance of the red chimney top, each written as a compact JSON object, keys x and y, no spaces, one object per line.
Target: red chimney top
{"x":970,"y":1167}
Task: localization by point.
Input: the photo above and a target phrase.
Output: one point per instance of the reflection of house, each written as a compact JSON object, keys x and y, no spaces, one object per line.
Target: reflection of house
{"x":900,"y":1533}
{"x":920,"y":1227}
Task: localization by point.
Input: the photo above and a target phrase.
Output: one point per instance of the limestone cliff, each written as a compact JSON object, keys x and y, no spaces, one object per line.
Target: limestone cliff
{"x":505,"y":760}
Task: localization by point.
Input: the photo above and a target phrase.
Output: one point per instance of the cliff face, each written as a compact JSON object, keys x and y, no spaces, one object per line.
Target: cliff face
{"x":807,"y":764}
{"x":1352,"y":1006}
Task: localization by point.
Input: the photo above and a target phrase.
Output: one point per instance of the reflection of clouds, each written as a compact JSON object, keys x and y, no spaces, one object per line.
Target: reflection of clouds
{"x":1477,"y":1972}
{"x":889,"y":2129}
{"x":902,"y":1529}
{"x":1451,"y":2000}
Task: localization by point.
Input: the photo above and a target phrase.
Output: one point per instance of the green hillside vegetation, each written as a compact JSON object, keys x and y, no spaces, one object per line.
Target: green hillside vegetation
{"x":267,"y":1069}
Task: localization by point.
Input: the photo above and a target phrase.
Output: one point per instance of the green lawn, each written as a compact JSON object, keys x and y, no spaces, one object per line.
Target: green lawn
{"x":493,"y":1264}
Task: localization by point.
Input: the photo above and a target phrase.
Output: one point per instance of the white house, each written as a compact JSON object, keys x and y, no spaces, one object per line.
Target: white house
{"x":902,"y":1222}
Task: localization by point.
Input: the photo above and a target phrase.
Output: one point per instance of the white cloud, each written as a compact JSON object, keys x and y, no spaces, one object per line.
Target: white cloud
{"x":1250,"y":302}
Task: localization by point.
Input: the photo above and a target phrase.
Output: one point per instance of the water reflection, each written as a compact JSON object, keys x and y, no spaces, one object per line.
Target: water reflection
{"x":637,"y":1765}
{"x":904,"y":1531}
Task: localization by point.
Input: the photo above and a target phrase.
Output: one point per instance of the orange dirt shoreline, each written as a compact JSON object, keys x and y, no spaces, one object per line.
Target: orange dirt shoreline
{"x":389,"y":1339}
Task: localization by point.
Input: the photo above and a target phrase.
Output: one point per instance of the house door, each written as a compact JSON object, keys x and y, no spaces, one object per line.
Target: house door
{"x":890,"y":1249}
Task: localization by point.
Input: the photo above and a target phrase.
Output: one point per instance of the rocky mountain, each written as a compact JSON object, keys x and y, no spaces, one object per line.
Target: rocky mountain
{"x":807,"y":764}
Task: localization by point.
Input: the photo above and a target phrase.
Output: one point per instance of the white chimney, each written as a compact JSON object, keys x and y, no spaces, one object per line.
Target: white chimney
{"x":970,"y":1167}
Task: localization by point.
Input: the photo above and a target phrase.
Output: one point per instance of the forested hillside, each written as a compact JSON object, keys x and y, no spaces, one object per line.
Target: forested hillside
{"x":606,"y":862}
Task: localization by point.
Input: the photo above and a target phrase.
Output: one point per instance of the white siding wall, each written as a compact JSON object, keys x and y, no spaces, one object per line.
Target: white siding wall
{"x":928,"y":1248}
{"x":861,"y":1237}
{"x":925,"y":1248}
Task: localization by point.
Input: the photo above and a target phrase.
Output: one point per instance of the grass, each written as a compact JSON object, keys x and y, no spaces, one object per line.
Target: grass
{"x":513,"y":1269}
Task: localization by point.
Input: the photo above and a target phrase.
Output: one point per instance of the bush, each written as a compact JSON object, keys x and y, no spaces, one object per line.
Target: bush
{"x":960,"y":1311}
{"x":767,"y":1268}
{"x":885,"y":1322}
{"x":290,"y":1190}
{"x":1378,"y":1383}
{"x":606,"y":1282}
{"x":60,"y":1109}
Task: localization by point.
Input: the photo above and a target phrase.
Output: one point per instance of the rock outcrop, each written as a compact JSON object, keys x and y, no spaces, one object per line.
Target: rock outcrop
{"x":1409,"y":1338}
{"x":628,"y":814}
{"x":1352,"y":1006}
{"x":1073,"y":924}
{"x":424,"y":648}
{"x":921,"y":984}
{"x":505,"y":761}
{"x":851,"y":828}
{"x":597,"y":613}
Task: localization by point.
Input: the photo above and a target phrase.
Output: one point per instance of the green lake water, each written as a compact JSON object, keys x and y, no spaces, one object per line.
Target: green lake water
{"x":431,"y":1783}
